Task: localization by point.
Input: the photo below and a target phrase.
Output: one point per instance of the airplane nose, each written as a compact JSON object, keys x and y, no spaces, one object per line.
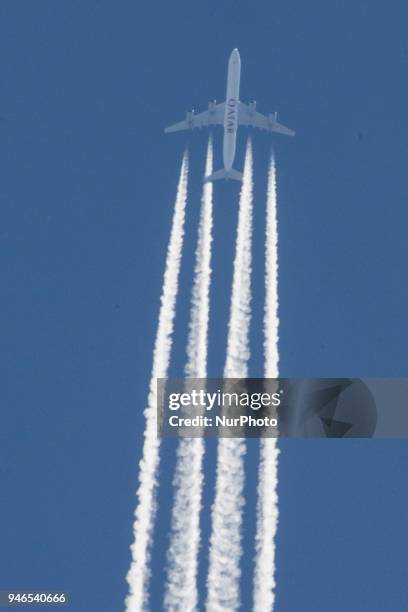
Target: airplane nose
{"x":235,"y":54}
{"x":234,"y":58}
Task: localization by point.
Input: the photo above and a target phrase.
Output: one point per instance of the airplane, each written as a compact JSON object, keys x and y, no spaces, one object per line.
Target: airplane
{"x":231,"y":114}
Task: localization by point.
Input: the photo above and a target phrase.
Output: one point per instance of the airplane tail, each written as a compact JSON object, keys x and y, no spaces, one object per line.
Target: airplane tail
{"x":224,"y":174}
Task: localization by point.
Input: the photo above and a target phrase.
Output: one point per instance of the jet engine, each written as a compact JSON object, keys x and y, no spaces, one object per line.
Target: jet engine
{"x":273,"y":117}
{"x":211,"y":106}
{"x":189,"y":116}
{"x":252,"y":107}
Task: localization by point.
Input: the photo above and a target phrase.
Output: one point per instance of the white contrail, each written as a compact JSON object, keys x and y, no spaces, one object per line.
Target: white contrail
{"x":267,"y":506}
{"x":225,"y":543}
{"x":138,"y":574}
{"x":271,"y":319}
{"x":181,"y":593}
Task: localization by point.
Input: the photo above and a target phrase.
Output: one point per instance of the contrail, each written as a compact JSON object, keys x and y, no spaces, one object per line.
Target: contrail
{"x":181,"y":593}
{"x":138,"y":574}
{"x":225,"y":542}
{"x":267,"y":506}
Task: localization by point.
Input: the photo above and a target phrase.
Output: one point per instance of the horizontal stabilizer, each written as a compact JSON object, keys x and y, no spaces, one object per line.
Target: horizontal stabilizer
{"x":224,"y":174}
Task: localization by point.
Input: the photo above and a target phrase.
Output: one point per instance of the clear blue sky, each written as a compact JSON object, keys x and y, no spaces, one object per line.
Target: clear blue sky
{"x":87,"y":186}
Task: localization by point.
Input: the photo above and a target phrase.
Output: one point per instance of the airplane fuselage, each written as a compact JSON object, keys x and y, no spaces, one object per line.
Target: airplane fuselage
{"x":231,"y":109}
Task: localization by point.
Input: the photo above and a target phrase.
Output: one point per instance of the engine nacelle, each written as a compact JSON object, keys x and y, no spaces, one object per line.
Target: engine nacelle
{"x":189,"y":116}
{"x":211,"y":106}
{"x":273,"y":117}
{"x":252,"y":107}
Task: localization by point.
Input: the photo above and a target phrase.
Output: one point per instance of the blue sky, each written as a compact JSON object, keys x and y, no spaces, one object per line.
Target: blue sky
{"x":88,"y":181}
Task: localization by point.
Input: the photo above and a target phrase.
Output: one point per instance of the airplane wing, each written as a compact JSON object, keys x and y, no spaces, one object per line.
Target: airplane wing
{"x":247,"y":115}
{"x":213,"y":116}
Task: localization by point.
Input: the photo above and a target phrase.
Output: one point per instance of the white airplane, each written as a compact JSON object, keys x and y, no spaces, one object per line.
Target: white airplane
{"x":230,"y":114}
